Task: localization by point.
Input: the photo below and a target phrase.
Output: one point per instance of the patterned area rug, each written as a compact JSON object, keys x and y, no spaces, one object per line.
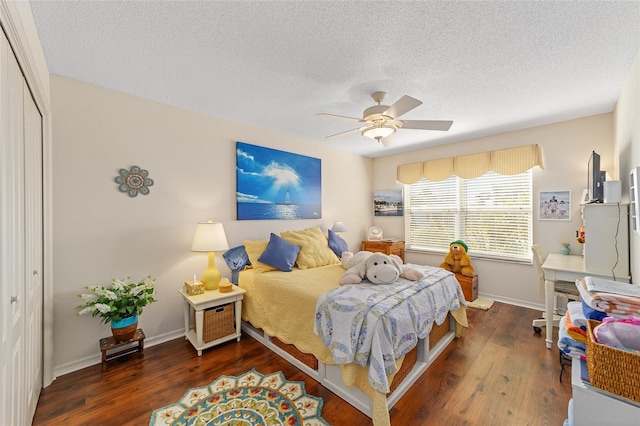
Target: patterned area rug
{"x":252,"y":399}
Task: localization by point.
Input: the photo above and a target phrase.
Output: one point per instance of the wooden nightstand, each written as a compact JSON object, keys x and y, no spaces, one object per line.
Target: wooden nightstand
{"x":386,"y":247}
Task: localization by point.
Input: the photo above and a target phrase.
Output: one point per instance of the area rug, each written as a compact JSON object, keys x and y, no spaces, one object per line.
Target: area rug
{"x":481,"y":303}
{"x":252,"y":399}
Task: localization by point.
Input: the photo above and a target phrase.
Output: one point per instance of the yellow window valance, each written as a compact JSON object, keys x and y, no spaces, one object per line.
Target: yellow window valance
{"x":510,"y":161}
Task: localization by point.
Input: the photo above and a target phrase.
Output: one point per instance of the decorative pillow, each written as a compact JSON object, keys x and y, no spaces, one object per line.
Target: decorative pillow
{"x":255,"y":250}
{"x":337,"y":244}
{"x":237,"y":259}
{"x":280,"y":253}
{"x":314,"y":250}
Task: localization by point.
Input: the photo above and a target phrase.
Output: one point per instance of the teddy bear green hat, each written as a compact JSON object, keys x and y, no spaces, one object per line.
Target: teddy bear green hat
{"x":462,"y":243}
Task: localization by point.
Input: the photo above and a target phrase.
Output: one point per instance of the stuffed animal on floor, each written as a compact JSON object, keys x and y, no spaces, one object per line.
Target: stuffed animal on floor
{"x":457,"y":260}
{"x":378,"y":268}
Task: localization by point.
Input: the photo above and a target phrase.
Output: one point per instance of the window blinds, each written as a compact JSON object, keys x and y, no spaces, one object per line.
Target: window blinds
{"x":491,"y":213}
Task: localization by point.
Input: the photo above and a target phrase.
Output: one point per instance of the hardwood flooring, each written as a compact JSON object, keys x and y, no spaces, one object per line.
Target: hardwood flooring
{"x":498,"y":373}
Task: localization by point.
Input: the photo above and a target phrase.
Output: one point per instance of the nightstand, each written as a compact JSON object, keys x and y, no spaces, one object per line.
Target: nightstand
{"x":208,"y":300}
{"x":386,"y":247}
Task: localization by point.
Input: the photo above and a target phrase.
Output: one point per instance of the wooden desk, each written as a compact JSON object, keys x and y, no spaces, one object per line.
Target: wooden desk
{"x":562,"y":267}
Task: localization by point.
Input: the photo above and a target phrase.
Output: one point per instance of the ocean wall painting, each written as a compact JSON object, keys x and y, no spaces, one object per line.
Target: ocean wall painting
{"x":272,"y":184}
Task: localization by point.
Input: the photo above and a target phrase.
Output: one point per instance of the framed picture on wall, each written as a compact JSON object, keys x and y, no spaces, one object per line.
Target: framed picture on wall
{"x":273,"y":184}
{"x":554,"y":205}
{"x":388,"y":202}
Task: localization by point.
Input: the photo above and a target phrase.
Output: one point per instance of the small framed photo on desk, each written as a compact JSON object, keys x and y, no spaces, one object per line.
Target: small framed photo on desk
{"x":554,"y":205}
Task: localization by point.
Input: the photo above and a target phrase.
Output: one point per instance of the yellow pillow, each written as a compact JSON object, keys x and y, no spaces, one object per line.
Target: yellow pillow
{"x":254,"y":251}
{"x":314,"y":250}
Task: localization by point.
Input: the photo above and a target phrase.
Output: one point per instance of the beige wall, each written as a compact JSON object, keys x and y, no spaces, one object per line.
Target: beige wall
{"x":100,"y":233}
{"x":566,"y":148}
{"x":627,"y":143}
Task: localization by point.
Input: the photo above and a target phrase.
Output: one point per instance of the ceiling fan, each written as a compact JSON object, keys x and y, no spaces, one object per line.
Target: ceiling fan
{"x":381,"y":121}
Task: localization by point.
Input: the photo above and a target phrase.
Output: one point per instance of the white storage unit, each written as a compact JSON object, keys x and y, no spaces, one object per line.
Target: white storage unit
{"x":592,"y":406}
{"x":606,"y":248}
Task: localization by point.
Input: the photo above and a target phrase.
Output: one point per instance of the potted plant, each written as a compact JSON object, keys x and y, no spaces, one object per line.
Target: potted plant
{"x":119,"y":304}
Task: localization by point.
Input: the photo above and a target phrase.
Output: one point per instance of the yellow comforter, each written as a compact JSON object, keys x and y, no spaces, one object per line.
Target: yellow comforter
{"x":283,"y":304}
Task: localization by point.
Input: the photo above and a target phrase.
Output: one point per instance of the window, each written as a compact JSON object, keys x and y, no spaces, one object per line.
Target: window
{"x":492,"y":214}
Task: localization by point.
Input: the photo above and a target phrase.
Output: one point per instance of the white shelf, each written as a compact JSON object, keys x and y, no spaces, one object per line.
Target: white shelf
{"x":592,"y":406}
{"x":210,"y":299}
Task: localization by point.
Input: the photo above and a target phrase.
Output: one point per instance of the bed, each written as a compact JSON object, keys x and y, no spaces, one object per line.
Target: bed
{"x":280,"y":309}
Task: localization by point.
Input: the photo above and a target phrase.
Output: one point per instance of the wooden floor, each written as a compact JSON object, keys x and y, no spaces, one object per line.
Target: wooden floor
{"x":498,"y":373}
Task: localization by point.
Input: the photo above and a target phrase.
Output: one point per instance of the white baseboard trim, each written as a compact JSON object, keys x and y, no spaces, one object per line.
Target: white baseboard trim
{"x":70,"y":367}
{"x":515,"y":302}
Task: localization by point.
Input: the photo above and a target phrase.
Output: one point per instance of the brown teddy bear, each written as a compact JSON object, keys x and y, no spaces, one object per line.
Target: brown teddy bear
{"x":457,"y":260}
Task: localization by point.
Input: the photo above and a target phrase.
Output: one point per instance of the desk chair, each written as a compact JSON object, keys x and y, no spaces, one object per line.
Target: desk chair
{"x":564,"y":289}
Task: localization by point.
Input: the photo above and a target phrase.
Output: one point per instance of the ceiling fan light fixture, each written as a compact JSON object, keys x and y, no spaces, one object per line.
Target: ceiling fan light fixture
{"x":379,"y":131}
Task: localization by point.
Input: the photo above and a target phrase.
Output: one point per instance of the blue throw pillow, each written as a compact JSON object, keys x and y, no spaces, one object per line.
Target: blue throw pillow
{"x":337,"y":244}
{"x":280,"y":253}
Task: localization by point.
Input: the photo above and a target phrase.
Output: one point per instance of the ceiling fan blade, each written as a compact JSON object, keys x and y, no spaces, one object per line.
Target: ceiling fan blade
{"x":342,"y":133}
{"x":324,"y":114}
{"x":402,"y":106}
{"x":443,"y":125}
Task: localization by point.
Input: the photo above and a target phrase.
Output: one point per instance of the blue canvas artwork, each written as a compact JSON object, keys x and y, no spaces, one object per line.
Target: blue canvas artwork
{"x":274,"y":184}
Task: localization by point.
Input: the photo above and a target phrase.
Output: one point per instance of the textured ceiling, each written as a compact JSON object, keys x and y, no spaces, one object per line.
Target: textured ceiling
{"x":490,"y":67}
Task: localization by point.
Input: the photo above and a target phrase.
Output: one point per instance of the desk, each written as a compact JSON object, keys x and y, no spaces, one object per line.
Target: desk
{"x":561,"y":267}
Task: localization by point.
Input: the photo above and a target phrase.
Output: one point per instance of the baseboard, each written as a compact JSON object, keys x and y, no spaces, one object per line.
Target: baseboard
{"x":70,"y":367}
{"x":515,"y":302}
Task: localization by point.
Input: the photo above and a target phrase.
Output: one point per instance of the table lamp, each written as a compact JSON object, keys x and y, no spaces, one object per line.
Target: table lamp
{"x":210,"y":238}
{"x":338,"y":227}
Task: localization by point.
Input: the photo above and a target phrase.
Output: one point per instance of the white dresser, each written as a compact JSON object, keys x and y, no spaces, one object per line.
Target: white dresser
{"x":594,"y":407}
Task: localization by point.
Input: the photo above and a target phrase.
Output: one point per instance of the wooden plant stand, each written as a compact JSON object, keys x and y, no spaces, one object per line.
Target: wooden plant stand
{"x":110,"y":343}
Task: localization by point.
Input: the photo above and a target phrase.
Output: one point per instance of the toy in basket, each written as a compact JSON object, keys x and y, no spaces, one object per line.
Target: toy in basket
{"x":611,"y":369}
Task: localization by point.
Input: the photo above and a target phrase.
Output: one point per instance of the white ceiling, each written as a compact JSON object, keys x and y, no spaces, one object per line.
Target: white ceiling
{"x":490,"y":67}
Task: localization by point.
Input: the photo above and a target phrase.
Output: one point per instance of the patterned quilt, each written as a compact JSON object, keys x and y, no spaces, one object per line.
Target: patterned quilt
{"x":374,"y":325}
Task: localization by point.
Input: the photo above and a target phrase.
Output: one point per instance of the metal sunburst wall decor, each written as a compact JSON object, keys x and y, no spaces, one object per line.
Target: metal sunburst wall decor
{"x":133,"y":181}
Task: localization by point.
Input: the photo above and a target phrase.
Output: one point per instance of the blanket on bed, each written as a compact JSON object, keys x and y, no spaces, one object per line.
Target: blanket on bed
{"x":374,"y":325}
{"x":283,"y":305}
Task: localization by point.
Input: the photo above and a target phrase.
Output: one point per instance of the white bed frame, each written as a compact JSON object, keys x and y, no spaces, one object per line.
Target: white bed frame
{"x":330,"y":375}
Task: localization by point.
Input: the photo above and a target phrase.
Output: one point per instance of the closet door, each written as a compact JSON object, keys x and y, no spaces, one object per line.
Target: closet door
{"x":12,"y":237}
{"x":34,"y":254}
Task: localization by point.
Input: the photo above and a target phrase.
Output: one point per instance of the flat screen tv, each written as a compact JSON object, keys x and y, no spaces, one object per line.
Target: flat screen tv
{"x":596,"y":178}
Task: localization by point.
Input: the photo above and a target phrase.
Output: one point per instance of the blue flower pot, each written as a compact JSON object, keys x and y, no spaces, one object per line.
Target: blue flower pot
{"x":124,"y":329}
{"x":125,"y":322}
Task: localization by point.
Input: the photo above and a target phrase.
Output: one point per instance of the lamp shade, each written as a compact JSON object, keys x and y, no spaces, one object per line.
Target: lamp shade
{"x":338,"y":227}
{"x":209,"y":237}
{"x":378,"y":131}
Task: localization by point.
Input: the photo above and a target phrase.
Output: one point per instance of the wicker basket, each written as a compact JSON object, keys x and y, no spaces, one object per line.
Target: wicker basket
{"x":307,"y":359}
{"x":611,"y":369}
{"x":407,"y":365}
{"x":217,"y":322}
{"x":439,"y":331}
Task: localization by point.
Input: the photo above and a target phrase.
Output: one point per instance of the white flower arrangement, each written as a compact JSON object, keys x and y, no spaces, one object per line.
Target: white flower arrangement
{"x":122,"y":300}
